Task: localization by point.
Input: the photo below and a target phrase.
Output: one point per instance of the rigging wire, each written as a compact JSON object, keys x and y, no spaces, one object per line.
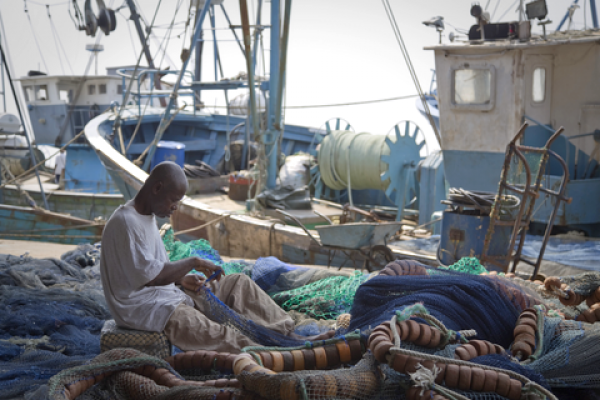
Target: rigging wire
{"x":167,"y":37}
{"x":62,"y":68}
{"x":413,"y":74}
{"x":151,"y":34}
{"x":117,"y":123}
{"x":129,"y":30}
{"x":56,"y":35}
{"x":495,"y":9}
{"x":508,"y":9}
{"x":187,"y":25}
{"x":48,"y":5}
{"x":35,"y":36}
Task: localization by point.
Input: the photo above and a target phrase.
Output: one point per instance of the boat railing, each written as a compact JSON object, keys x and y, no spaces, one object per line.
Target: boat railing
{"x":152,"y":92}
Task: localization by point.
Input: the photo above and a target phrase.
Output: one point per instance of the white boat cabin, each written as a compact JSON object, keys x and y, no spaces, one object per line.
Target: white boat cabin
{"x":486,"y":90}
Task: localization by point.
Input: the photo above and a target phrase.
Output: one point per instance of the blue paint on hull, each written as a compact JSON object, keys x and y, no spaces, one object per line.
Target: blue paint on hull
{"x":473,"y":170}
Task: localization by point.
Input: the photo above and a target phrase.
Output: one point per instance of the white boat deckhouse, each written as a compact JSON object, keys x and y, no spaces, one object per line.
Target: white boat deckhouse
{"x":488,"y":89}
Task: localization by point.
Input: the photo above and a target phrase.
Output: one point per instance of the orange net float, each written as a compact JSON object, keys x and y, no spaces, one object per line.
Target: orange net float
{"x":524,"y":334}
{"x":573,"y":299}
{"x":476,"y":348}
{"x":593,"y":298}
{"x":553,"y":283}
{"x":346,"y":383}
{"x":590,"y":316}
{"x":404,"y":267}
{"x":322,"y":357}
{"x":203,"y":360}
{"x":381,"y":339}
{"x":463,"y":377}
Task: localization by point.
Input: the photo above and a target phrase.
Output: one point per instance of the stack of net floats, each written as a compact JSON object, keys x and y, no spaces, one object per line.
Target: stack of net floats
{"x":414,"y":332}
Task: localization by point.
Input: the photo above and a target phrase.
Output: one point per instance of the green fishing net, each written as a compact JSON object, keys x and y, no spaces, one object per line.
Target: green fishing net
{"x":178,"y":250}
{"x":323,"y":299}
{"x":469,"y":265}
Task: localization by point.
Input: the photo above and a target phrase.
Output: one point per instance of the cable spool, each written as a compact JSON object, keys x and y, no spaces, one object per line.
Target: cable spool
{"x":363,"y":161}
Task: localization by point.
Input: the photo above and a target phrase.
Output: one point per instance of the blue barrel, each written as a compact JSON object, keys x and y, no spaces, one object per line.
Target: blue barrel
{"x":463,"y":235}
{"x":169,"y":151}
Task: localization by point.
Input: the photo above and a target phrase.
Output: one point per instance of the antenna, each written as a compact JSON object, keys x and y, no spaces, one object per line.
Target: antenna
{"x":95,"y":48}
{"x":437,"y":23}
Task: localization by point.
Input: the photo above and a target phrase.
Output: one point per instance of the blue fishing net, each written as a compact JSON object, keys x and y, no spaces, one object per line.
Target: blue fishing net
{"x":224,"y":315}
{"x":51,"y":319}
{"x":267,"y":271}
{"x":460,"y":301}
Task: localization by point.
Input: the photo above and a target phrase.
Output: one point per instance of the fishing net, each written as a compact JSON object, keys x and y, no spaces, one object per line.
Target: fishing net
{"x":468,"y":265}
{"x":488,"y":304}
{"x":324,"y":299}
{"x":268,"y":270}
{"x":178,"y":250}
{"x":52,"y":315}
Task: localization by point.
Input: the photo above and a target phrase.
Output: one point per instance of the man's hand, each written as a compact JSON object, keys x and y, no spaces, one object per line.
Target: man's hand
{"x":193,"y":282}
{"x":208,"y":268}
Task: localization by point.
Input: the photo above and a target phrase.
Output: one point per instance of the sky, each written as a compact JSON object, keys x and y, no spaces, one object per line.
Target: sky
{"x":340,"y":51}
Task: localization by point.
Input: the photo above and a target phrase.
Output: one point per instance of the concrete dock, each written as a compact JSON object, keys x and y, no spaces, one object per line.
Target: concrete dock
{"x":35,"y":249}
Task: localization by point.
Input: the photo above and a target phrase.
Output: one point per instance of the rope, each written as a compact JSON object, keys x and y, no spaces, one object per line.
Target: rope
{"x":202,"y":226}
{"x":35,"y":36}
{"x":336,"y":169}
{"x":54,"y":37}
{"x":396,"y":349}
{"x":411,"y":69}
{"x":117,"y":122}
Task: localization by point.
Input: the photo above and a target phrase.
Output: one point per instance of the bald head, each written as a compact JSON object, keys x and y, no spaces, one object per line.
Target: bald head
{"x":169,"y":174}
{"x":162,"y":191}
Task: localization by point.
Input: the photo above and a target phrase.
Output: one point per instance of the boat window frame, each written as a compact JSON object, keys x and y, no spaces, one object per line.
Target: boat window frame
{"x":102,"y":88}
{"x":473,"y":106}
{"x":91,"y":89}
{"x":29,"y":91}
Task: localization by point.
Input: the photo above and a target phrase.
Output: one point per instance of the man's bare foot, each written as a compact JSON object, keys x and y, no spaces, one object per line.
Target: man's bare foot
{"x":321,"y":336}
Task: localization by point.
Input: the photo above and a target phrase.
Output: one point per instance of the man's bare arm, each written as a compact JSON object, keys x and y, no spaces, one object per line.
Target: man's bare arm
{"x":173,"y":272}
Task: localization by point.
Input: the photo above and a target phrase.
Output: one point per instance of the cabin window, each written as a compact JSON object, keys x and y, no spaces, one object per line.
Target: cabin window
{"x":539,"y":85}
{"x":472,"y":86}
{"x":63,"y":95}
{"x":28,"y":93}
{"x":119,"y":89}
{"x":41,"y":92}
{"x":91,"y":89}
{"x":102,"y":88}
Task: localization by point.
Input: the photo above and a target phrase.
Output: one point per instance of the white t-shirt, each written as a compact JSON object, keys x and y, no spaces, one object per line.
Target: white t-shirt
{"x":132,"y":255}
{"x":61,"y":161}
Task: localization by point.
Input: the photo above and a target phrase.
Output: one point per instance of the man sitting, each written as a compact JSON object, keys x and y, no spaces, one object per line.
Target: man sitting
{"x":139,"y":280}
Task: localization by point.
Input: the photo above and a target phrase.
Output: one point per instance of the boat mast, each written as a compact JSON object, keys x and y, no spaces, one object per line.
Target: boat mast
{"x":165,"y":120}
{"x":135,"y":16}
{"x":198,"y":55}
{"x":18,"y":104}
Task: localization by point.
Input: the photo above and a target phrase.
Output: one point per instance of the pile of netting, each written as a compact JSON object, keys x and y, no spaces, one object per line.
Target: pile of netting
{"x":316,"y":294}
{"x":56,"y":309}
{"x":415,"y":333}
{"x":327,"y":298}
{"x":52,"y":314}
